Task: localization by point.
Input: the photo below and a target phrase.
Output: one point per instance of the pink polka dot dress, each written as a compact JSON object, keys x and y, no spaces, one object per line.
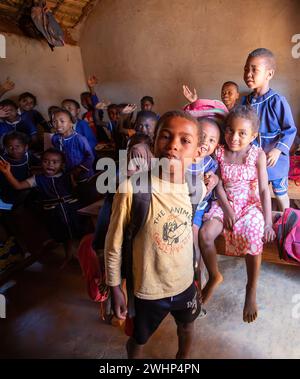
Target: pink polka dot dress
{"x":240,"y":182}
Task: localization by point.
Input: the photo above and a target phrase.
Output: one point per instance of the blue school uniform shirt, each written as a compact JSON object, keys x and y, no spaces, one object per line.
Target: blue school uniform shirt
{"x":21,"y":171}
{"x":82,"y":127}
{"x":277,"y":128}
{"x":33,"y":116}
{"x":205,"y":165}
{"x":26,"y":127}
{"x":78,"y":153}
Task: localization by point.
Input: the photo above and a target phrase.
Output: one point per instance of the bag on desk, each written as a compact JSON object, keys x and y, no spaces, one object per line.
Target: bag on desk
{"x":287,"y":228}
{"x":294,"y":171}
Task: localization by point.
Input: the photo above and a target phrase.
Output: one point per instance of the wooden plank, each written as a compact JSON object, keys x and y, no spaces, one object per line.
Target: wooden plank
{"x":293,"y":191}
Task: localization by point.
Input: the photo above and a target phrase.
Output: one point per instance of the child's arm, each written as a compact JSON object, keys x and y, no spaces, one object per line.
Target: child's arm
{"x":119,"y":218}
{"x":210,"y":180}
{"x":130,"y":108}
{"x":5,"y":169}
{"x":265,"y":197}
{"x":229,"y":215}
{"x":8,"y":85}
{"x":288,"y":129}
{"x":187,"y":93}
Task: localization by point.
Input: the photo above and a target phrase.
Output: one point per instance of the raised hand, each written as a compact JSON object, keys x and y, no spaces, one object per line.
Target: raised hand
{"x":189,"y":95}
{"x":4,"y":112}
{"x":92,"y":81}
{"x":103,"y":104}
{"x":4,"y":166}
{"x":130,"y":108}
{"x":8,"y":85}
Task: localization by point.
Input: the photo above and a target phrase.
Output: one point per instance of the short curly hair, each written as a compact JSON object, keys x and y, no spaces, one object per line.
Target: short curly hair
{"x":246,"y":112}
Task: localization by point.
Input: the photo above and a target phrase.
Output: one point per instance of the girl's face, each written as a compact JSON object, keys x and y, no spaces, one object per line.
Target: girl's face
{"x":210,"y":136}
{"x":239,"y":134}
{"x":27,"y":103}
{"x":177,"y":140}
{"x":52,"y":164}
{"x":16,"y":149}
{"x":62,"y":124}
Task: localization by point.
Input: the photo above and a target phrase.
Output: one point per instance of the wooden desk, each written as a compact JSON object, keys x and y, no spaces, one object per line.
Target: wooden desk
{"x":294,"y":191}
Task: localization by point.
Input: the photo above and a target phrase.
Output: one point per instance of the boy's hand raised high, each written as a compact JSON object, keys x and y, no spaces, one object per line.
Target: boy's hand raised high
{"x":120,"y":308}
{"x":92,"y":81}
{"x":8,"y":85}
{"x":103,"y":104}
{"x":187,"y":93}
{"x":129,"y":109}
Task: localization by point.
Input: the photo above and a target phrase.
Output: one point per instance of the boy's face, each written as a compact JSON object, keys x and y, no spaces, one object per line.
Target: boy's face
{"x":71,"y":107}
{"x":26,"y":104}
{"x":113,"y":114}
{"x":229,"y":95}
{"x":210,"y":136}
{"x":12,"y":113}
{"x":239,"y":134}
{"x":62,"y":124}
{"x":257,"y":74}
{"x":52,"y":164}
{"x":146,"y":126}
{"x":146,"y":105}
{"x":86,"y":102}
{"x":177,"y":140}
{"x":16,"y":149}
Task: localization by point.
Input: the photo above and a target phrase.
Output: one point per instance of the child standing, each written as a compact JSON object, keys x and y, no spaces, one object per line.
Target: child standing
{"x":59,"y":205}
{"x":79,"y":156}
{"x":162,"y":267}
{"x":277,"y":128}
{"x":243,"y":209}
{"x":80,"y":126}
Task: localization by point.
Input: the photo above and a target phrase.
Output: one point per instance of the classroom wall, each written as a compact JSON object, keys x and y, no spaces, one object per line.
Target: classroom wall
{"x":51,"y":76}
{"x":152,"y":47}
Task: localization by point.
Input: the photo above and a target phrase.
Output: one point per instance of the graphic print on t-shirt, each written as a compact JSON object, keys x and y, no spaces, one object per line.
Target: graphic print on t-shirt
{"x":175,"y":229}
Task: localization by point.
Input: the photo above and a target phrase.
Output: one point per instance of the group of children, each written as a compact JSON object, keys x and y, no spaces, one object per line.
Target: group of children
{"x":235,"y":150}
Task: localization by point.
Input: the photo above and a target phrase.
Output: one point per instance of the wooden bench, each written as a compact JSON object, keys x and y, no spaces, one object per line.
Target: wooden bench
{"x":270,"y":252}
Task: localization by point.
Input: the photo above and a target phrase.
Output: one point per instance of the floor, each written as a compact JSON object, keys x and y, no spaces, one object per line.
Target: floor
{"x":50,"y":316}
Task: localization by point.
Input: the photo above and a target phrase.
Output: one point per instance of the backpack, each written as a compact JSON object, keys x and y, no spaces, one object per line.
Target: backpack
{"x":294,"y":171}
{"x":287,"y":228}
{"x":139,"y":210}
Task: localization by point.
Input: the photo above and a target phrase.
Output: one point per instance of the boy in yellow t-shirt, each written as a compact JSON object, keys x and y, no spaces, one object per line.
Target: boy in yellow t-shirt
{"x":162,"y":254}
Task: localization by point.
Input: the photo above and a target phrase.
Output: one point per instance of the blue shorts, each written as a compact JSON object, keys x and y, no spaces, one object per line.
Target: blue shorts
{"x":185,"y":308}
{"x":280,"y":186}
{"x":202,"y":208}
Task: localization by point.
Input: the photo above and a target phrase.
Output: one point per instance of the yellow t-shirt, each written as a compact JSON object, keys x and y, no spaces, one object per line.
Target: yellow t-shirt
{"x":162,"y":248}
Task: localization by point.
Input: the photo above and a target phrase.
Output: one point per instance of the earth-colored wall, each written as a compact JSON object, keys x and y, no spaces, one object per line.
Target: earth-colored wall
{"x":152,"y":47}
{"x":51,"y":76}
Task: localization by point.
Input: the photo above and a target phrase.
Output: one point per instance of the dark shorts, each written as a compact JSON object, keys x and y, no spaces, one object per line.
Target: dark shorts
{"x":280,"y":186}
{"x":184,"y":307}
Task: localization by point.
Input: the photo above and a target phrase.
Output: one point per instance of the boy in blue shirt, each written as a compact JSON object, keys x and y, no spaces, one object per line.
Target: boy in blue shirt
{"x":277,"y":127}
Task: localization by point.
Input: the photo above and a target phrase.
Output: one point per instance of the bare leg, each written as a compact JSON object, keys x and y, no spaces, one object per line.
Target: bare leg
{"x":250,"y":308}
{"x":283,"y":202}
{"x":134,"y":350}
{"x":208,"y":233}
{"x":185,"y":338}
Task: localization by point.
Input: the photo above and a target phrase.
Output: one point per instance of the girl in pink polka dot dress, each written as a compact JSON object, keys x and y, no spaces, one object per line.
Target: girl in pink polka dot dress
{"x":243,"y":209}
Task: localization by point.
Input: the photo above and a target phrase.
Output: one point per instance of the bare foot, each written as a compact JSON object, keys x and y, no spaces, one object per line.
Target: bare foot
{"x":250,"y":308}
{"x":212,"y":283}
